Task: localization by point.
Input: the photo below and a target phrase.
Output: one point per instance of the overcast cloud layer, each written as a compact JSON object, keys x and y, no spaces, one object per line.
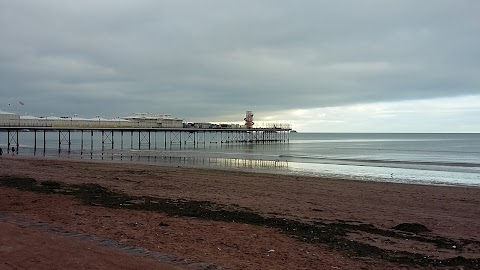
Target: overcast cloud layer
{"x":212,"y":60}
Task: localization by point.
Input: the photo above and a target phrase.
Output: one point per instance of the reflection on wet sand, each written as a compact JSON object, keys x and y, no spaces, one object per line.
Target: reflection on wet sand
{"x":175,"y":160}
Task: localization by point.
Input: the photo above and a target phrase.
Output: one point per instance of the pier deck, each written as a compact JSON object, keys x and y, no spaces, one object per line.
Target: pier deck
{"x":137,"y":138}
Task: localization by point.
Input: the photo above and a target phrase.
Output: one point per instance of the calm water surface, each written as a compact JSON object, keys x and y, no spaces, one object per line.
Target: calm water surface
{"x":442,"y":159}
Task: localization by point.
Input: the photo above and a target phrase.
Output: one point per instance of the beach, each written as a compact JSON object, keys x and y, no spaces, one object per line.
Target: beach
{"x":278,"y":221}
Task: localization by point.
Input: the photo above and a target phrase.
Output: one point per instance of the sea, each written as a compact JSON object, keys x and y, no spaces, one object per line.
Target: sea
{"x":418,"y":158}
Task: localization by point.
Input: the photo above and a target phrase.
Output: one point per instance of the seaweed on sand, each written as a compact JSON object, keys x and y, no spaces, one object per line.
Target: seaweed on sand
{"x":332,"y":234}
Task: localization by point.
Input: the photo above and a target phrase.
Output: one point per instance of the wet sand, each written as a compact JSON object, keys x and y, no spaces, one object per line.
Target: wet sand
{"x":357,"y":216}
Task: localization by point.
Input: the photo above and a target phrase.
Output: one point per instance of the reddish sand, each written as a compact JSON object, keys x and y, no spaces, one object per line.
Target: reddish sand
{"x":24,"y":248}
{"x":449,"y":212}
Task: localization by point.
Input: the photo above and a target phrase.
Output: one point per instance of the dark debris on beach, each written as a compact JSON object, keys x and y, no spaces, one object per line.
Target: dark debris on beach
{"x":334,"y":234}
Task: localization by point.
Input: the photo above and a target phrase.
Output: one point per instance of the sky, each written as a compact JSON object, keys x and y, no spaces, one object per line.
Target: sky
{"x":322,"y":66}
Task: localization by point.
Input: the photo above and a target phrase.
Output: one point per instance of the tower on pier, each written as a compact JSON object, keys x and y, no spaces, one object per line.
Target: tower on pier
{"x":249,"y":119}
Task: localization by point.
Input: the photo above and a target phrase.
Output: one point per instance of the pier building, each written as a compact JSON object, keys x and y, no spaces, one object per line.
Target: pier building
{"x":136,"y":120}
{"x":138,"y":131}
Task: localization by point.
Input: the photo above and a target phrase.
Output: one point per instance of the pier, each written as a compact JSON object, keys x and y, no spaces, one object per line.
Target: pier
{"x":135,"y":138}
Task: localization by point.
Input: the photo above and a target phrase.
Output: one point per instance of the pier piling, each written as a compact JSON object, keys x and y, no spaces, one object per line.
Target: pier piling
{"x":182,"y":137}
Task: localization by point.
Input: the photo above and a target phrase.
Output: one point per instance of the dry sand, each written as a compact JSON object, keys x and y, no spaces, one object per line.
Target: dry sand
{"x":363,"y":212}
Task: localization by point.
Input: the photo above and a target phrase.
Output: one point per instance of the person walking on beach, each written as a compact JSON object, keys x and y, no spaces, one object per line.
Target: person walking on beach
{"x":13,"y":151}
{"x":1,"y":151}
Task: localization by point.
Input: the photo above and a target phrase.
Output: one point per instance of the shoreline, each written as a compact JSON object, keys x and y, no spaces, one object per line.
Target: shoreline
{"x":357,"y":172}
{"x":448,"y":212}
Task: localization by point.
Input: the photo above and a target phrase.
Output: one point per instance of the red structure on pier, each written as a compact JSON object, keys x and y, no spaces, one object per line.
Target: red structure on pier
{"x":249,"y":119}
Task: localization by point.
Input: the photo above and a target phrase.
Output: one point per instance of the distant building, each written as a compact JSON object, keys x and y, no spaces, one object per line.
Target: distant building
{"x":136,"y":120}
{"x":144,"y":120}
{"x":202,"y":125}
{"x":154,"y":120}
{"x":8,"y":116}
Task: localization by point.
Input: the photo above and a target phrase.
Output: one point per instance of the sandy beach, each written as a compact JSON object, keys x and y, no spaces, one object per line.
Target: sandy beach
{"x":214,"y":219}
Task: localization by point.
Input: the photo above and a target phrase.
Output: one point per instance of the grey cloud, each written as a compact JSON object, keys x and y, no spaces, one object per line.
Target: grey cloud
{"x":203,"y":59}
